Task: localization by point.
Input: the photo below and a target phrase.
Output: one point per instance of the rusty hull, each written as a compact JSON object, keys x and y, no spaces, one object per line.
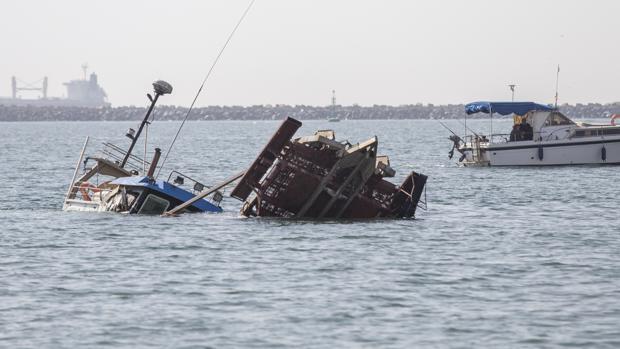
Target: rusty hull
{"x":318,"y":177}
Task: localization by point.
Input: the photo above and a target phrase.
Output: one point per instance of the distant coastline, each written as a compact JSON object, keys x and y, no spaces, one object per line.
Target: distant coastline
{"x":273,"y":112}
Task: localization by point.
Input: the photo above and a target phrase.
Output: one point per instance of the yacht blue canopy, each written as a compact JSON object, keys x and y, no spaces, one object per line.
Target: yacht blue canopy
{"x":504,"y":108}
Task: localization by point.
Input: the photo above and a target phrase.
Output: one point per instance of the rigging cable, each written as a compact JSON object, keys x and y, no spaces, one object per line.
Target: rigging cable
{"x":146,"y":137}
{"x":203,"y":84}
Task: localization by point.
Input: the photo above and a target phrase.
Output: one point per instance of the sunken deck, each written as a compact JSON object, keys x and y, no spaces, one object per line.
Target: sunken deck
{"x":318,"y":177}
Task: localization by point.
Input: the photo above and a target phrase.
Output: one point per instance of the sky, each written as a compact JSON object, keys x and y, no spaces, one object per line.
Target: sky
{"x":389,"y":52}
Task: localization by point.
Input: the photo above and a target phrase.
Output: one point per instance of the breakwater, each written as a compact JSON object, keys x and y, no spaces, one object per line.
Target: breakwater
{"x":273,"y":112}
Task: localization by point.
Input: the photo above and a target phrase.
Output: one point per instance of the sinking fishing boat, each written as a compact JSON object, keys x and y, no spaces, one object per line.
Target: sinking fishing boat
{"x":122,"y":181}
{"x":541,"y":135}
{"x":319,"y":177}
{"x":116,"y":180}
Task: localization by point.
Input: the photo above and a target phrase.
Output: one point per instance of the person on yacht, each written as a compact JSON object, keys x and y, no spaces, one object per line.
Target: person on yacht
{"x":514,"y":134}
{"x":526,"y":130}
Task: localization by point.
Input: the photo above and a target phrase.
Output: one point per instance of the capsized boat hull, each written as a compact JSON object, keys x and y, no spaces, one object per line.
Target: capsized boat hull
{"x":317,"y":177}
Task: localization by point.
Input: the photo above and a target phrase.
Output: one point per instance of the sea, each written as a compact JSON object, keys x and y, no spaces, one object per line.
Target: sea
{"x":501,"y":257}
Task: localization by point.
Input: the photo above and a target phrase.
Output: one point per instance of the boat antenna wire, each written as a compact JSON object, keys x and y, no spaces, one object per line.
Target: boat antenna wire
{"x":204,"y":81}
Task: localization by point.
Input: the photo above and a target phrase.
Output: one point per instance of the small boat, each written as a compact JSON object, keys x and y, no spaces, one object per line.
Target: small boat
{"x":115,"y":180}
{"x":541,"y":135}
{"x":334,"y":117}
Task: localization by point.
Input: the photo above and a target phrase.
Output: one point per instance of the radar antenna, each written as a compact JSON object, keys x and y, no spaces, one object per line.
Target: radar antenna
{"x":85,"y":69}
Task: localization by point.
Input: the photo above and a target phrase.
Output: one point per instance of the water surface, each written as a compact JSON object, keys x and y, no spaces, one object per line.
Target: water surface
{"x":504,"y":257}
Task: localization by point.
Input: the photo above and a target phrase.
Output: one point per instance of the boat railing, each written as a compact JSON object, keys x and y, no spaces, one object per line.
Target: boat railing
{"x":116,"y":154}
{"x":472,"y":140}
{"x":481,"y":139}
{"x":196,"y":186}
{"x":500,"y":137}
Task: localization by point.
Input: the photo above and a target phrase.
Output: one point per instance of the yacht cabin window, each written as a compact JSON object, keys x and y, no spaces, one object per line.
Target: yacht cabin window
{"x":597,"y":132}
{"x":557,"y":119}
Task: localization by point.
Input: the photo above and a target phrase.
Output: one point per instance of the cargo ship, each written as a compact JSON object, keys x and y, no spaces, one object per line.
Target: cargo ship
{"x":85,"y":92}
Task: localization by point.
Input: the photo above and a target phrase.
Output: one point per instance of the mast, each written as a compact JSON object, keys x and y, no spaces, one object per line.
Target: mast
{"x":491,"y":113}
{"x":465,"y":125}
{"x":161,"y":88}
{"x":557,"y":81}
{"x":333,"y":103}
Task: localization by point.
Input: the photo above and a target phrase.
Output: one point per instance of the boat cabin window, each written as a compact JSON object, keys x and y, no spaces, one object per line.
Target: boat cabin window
{"x":582,"y":133}
{"x":154,"y":205}
{"x":611,"y":131}
{"x":598,"y":132}
{"x":557,"y":119}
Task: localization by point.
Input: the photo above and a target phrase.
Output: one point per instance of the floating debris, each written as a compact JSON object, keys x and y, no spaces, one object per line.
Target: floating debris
{"x":319,"y":177}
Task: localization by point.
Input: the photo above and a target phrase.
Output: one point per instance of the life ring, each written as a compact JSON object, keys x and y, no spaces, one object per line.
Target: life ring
{"x":613,"y":119}
{"x":85,"y":187}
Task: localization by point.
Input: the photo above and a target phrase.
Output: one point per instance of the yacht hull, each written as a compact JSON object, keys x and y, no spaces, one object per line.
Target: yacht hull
{"x":532,"y":153}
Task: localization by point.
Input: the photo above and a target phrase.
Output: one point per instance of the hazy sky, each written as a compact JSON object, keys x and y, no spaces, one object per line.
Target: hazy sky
{"x":297,"y":51}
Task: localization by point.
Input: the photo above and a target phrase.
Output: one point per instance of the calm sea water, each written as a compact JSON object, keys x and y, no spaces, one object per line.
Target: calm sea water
{"x":503,"y":258}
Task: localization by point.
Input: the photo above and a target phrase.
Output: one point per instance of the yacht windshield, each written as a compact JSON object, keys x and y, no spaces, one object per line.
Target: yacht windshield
{"x":557,"y":119}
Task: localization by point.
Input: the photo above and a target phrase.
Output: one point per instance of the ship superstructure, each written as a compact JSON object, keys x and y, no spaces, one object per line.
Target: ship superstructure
{"x":84,"y":92}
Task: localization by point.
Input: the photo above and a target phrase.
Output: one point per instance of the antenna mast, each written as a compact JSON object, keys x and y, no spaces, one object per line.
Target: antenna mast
{"x":557,"y":81}
{"x":512,"y":88}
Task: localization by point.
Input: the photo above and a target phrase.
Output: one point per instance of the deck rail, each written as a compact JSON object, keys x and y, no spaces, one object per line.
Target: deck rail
{"x":197,"y":186}
{"x":117,"y":154}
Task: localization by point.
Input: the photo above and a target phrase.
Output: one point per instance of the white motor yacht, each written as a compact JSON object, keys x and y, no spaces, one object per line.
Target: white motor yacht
{"x":541,"y":135}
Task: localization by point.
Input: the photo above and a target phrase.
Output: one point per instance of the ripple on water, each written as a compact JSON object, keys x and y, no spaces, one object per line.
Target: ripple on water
{"x":517,"y":257}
